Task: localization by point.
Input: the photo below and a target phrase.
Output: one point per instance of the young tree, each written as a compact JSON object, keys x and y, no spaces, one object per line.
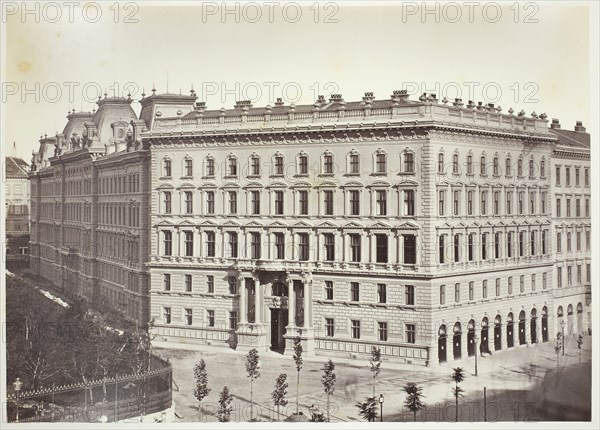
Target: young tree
{"x":224,"y":411}
{"x":557,"y":349}
{"x":201,"y":390}
{"x":375,"y":362}
{"x":298,"y":361}
{"x":579,"y":345}
{"x":328,"y":381}
{"x":368,"y":409}
{"x":458,"y":375}
{"x":278,"y":394}
{"x":252,"y":371}
{"x":414,"y":398}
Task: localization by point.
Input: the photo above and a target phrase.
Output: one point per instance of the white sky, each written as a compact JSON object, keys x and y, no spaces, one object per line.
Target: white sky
{"x":541,"y":67}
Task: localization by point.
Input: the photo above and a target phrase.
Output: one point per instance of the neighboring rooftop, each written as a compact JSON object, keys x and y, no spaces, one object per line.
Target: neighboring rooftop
{"x":16,"y":168}
{"x":576,"y":138}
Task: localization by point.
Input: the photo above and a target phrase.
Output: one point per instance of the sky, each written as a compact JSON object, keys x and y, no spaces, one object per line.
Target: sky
{"x":531,"y":56}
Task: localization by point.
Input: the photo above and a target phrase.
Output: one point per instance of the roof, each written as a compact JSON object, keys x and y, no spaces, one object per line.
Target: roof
{"x":16,"y":167}
{"x":575,"y":139}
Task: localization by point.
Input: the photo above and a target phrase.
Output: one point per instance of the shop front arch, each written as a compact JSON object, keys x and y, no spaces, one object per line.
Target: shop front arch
{"x":510,"y":339}
{"x":456,"y":341}
{"x":442,"y":344}
{"x":485,"y":347}
{"x":569,"y":320}
{"x":533,"y":326}
{"x":522,"y":337}
{"x":471,"y":338}
{"x":579,"y":318}
{"x":497,"y":333}
{"x":544,"y":324}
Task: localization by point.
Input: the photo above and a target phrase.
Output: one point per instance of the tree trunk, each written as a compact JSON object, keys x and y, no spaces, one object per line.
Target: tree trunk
{"x":456,"y":402}
{"x":278,"y":416}
{"x":298,"y":394}
{"x":415,"y":415}
{"x":328,"y":416}
{"x":373,"y":387}
{"x":251,"y":400}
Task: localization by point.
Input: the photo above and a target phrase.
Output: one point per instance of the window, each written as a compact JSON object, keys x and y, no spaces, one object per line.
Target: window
{"x":278,"y":202}
{"x":531,"y":169}
{"x":188,"y":167}
{"x":409,"y":162}
{"x":533,"y":282}
{"x":409,"y":202}
{"x":188,"y":317}
{"x":167,"y":202}
{"x":484,"y":288}
{"x":233,"y":320}
{"x":210,"y":167}
{"x":210,"y":202}
{"x":496,"y":167}
{"x":279,"y":246}
{"x":543,"y":195}
{"x":255,"y":202}
{"x":509,"y":197}
{"x":167,"y":168}
{"x":354,"y":202}
{"x":210,"y":243}
{"x":381,"y":242}
{"x":483,"y":207}
{"x":587,"y":208}
{"x":354,"y":164}
{"x":440,"y":163}
{"x":328,"y":202}
{"x":508,"y":167}
{"x":520,"y":168}
{"x":483,"y":246}
{"x":303,"y":165}
{"x":587,"y":240}
{"x":521,"y":196}
{"x":521,"y":243}
{"x":496,"y":202}
{"x":522,"y":283}
{"x":455,"y":164}
{"x":167,"y":315}
{"x":532,"y":203}
{"x":254,"y":166}
{"x":232,"y":166}
{"x":442,"y":248}
{"x":456,"y":248}
{"x":329,"y":327}
{"x":586,"y":177}
{"x":568,"y":204}
{"x":558,"y":242}
{"x":167,"y":281}
{"x":255,"y":245}
{"x":381,"y":293}
{"x":355,"y":247}
{"x":328,"y":164}
{"x":568,"y":176}
{"x":576,"y":177}
{"x":409,"y":295}
{"x":380,"y":163}
{"x":568,"y":242}
{"x":354,"y":291}
{"x":188,"y":202}
{"x":188,"y":283}
{"x":210,"y":316}
{"x":382,"y":331}
{"x":456,"y":293}
{"x":355,"y":329}
{"x":471,"y":246}
{"x":232,"y":202}
{"x":471,"y":290}
{"x":189,"y":243}
{"x":543,"y":168}
{"x":557,"y":175}
{"x":167,"y":242}
{"x":303,"y":201}
{"x":381,"y":202}
{"x":210,"y":283}
{"x":410,"y":249}
{"x":577,"y":208}
{"x":588,"y":273}
{"x":232,"y":284}
{"x":233,"y":244}
{"x":442,"y":294}
{"x":510,"y":285}
{"x":456,"y":202}
{"x":544,"y":242}
{"x":558,"y":207}
{"x":482,"y":166}
{"x":497,"y":287}
{"x":441,"y":201}
{"x":509,"y":244}
{"x":559,"y":277}
{"x":328,"y":290}
{"x":278,"y":165}
{"x":303,"y":247}
{"x":329,"y":245}
{"x":469,"y":202}
{"x":496,"y":245}
{"x":533,"y":241}
{"x":469,"y":164}
{"x":411,"y":333}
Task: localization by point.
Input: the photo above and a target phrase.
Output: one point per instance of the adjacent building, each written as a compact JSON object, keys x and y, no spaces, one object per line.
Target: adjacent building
{"x":424,"y":227}
{"x":17,"y":210}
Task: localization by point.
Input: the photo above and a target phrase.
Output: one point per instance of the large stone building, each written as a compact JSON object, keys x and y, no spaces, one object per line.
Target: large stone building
{"x":423,"y":227}
{"x":17,"y":209}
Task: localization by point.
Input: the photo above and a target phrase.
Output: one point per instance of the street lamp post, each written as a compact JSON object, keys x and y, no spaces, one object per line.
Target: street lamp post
{"x":562,"y":330}
{"x":475,"y":339}
{"x":17,"y":386}
{"x":381,"y":407}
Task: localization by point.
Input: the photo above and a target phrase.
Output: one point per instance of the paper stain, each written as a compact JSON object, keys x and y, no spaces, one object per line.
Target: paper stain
{"x":24,"y":66}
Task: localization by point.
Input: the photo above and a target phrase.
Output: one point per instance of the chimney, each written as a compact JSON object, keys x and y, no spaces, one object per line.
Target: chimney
{"x":555,"y":124}
{"x":579,"y":126}
{"x":279,"y":102}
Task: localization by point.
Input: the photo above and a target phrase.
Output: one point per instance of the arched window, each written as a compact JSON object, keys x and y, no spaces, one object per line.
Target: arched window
{"x":469,"y":164}
{"x":327,"y":163}
{"x":302,"y":163}
{"x":167,"y":168}
{"x":482,"y":166}
{"x":409,"y":162}
{"x":440,"y":166}
{"x":254,"y":165}
{"x":543,"y":168}
{"x":520,"y":167}
{"x":279,"y":289}
{"x":380,"y":161}
{"x":353,"y":160}
{"x":209,"y":166}
{"x":496,"y":167}
{"x":508,"y":167}
{"x":559,"y":312}
{"x":455,"y":168}
{"x":278,"y":164}
{"x":232,"y":165}
{"x":531,"y":168}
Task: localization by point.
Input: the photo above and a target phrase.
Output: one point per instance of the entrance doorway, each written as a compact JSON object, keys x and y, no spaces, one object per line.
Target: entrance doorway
{"x":545,"y":324}
{"x":471,"y":338}
{"x":510,"y":342}
{"x":456,"y":341}
{"x":442,"y":344}
{"x":522,"y":339}
{"x":279,"y":321}
{"x":498,"y":333}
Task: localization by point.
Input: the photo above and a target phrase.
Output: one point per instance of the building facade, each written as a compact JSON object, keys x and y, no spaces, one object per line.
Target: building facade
{"x":17,"y":209}
{"x":423,"y":227}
